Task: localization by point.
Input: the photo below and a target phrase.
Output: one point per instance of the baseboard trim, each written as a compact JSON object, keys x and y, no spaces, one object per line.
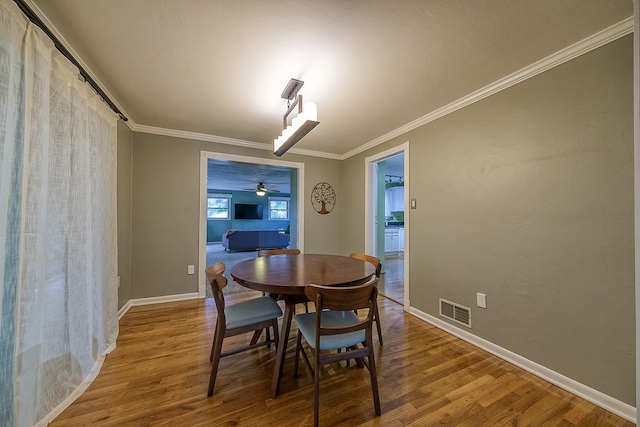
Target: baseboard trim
{"x":622,"y":409}
{"x":123,"y":310}
{"x":155,"y":300}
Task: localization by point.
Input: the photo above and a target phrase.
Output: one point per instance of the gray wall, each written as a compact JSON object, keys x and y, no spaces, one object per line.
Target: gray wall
{"x":125,"y":161}
{"x":166,"y":204}
{"x":527,"y":196}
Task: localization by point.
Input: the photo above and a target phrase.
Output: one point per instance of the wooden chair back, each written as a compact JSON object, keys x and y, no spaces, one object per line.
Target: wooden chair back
{"x":269,"y":252}
{"x":370,"y":259}
{"x":343,"y":298}
{"x":217,"y":281}
{"x":218,"y":268}
{"x":375,"y":261}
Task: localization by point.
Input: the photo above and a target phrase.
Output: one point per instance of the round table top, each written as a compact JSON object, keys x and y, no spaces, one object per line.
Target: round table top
{"x":289,"y":274}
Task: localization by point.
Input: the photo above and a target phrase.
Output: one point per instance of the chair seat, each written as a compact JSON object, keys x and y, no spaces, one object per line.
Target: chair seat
{"x":251,"y":311}
{"x":307,"y":327}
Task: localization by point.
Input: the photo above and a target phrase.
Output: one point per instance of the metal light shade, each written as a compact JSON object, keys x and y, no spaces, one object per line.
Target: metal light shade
{"x":301,"y":125}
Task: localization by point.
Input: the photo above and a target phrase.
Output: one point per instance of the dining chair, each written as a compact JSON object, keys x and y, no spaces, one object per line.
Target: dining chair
{"x":335,"y":326}
{"x":269,"y":252}
{"x":246,"y":316}
{"x":378,"y":266}
{"x":218,"y":268}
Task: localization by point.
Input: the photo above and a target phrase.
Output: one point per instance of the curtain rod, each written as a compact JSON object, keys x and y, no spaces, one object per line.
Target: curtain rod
{"x":38,"y":22}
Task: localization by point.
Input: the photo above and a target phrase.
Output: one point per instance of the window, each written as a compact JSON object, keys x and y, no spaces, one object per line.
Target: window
{"x":218,"y":206}
{"x":279,"y":208}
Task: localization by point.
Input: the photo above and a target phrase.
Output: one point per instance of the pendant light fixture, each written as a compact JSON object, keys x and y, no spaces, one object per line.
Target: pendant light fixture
{"x":301,"y":125}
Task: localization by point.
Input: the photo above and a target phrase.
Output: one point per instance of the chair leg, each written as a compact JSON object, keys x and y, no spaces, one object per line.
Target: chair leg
{"x":256,"y":336}
{"x":216,"y":351}
{"x":297,"y":362}
{"x":213,"y":344}
{"x":374,"y":381}
{"x":376,"y":318}
{"x":316,"y":403}
{"x":276,"y":334}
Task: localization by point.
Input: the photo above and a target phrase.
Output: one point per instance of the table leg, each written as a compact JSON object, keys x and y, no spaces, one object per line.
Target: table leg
{"x":289,"y":309}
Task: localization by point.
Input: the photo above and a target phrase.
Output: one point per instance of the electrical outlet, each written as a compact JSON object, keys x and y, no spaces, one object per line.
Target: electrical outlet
{"x":481,"y":300}
{"x":191,"y":269}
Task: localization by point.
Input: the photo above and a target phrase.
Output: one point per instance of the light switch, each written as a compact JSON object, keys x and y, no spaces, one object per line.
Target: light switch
{"x":481,"y":300}
{"x":191,"y":269}
{"x":413,"y":203}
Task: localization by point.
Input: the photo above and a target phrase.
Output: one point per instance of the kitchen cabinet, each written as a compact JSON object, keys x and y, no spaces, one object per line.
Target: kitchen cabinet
{"x":393,"y":200}
{"x":394,"y":239}
{"x":391,"y":240}
{"x":397,"y":198}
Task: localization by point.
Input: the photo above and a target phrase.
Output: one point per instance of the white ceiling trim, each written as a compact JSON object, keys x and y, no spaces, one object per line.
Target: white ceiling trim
{"x":229,"y":141}
{"x":201,"y":137}
{"x":593,"y":42}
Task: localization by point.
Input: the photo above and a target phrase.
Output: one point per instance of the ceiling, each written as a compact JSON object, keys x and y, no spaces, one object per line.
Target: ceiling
{"x":217,"y":68}
{"x":238,"y":176}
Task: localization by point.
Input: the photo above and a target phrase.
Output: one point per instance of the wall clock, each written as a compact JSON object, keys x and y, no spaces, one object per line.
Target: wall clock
{"x":323,"y":198}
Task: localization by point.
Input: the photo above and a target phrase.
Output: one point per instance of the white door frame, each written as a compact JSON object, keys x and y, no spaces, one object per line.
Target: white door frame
{"x":370,"y":208}
{"x":204,"y":165}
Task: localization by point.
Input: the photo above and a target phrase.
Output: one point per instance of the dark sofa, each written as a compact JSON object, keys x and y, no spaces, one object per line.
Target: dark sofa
{"x":252,"y":240}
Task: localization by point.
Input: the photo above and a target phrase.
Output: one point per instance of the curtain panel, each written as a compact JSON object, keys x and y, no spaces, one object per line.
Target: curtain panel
{"x":58,"y":248}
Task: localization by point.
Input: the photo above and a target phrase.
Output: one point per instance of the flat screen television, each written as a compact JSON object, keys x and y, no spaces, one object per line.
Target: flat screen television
{"x":248,"y":211}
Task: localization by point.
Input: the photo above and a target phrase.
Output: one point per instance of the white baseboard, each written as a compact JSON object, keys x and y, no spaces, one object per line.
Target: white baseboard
{"x":622,"y":409}
{"x":155,"y":300}
{"x":124,"y":309}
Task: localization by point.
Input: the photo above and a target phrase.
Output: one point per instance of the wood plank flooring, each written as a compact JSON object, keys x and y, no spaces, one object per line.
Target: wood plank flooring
{"x":158,"y":376}
{"x":391,"y":283}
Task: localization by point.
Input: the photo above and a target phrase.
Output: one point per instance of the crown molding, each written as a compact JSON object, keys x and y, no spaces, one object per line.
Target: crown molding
{"x":201,"y":137}
{"x":229,"y":141}
{"x":592,"y":42}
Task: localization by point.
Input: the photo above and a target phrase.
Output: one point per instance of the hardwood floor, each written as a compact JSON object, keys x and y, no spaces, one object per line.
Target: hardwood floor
{"x":391,"y":283}
{"x":158,"y":376}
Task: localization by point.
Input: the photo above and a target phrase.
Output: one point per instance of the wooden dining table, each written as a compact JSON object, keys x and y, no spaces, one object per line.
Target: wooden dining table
{"x":287,"y":275}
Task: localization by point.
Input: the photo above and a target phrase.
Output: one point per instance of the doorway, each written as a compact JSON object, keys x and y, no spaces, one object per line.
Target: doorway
{"x":236,"y":167}
{"x":387,"y":226}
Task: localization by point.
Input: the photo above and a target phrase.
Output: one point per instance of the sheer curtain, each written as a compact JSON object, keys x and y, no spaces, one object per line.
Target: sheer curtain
{"x":58,"y":252}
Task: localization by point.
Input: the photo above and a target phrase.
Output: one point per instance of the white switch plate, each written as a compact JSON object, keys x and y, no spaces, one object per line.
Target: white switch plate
{"x":191,"y":269}
{"x":481,"y":300}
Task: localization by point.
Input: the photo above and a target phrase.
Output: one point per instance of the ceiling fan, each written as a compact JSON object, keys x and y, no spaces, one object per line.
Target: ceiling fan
{"x":261,"y":190}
